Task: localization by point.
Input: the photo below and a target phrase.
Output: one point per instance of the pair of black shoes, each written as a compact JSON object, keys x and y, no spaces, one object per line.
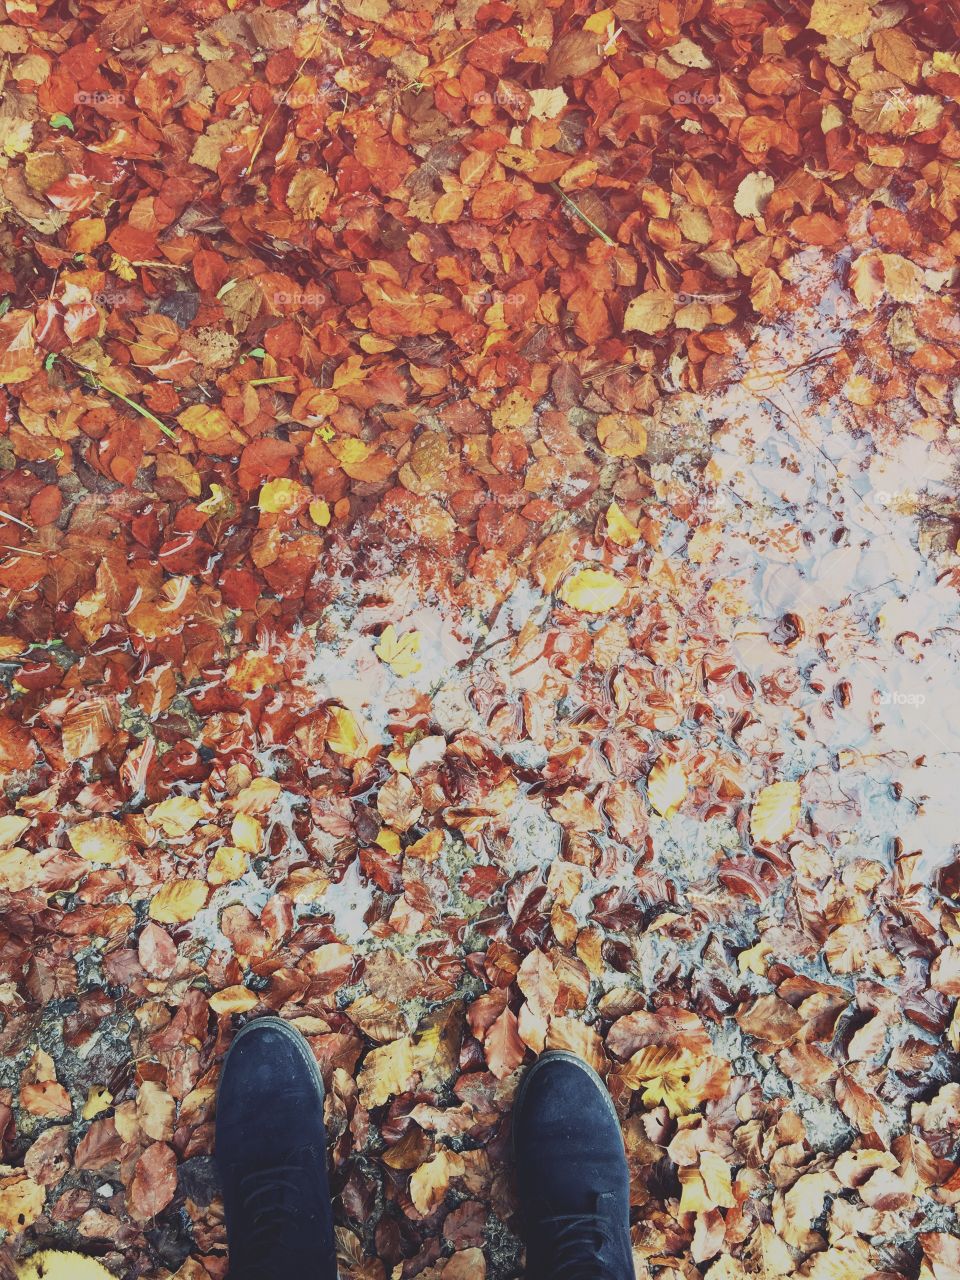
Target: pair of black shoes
{"x":572,"y":1178}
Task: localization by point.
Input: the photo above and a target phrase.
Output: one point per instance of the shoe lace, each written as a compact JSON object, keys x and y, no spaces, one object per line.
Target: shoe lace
{"x":575,"y":1243}
{"x":271,"y":1208}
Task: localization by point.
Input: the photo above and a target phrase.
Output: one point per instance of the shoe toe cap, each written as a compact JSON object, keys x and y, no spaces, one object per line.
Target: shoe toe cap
{"x":270,"y":1088}
{"x":563,"y":1099}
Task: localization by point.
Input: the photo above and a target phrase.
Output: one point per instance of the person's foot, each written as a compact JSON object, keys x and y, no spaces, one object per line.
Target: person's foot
{"x":271,"y":1150}
{"x":572,"y":1176}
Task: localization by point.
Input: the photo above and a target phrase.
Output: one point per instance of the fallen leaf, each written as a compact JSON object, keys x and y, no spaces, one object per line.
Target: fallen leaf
{"x":50,"y":1264}
{"x":650,"y":312}
{"x":101,"y":840}
{"x":154,"y":1182}
{"x":178,"y":901}
{"x":177,"y":815}
{"x":399,"y":652}
{"x":775,"y":812}
{"x":667,"y":786}
{"x":592,"y":591}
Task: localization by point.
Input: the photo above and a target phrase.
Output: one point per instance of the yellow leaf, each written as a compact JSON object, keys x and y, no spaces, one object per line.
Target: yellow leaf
{"x":897,"y":52}
{"x":344,"y":735}
{"x":177,"y":815}
{"x":10,"y":646}
{"x":218,"y":503}
{"x":874,"y":273}
{"x":399,"y":652}
{"x":775,"y":812}
{"x":547,"y":103}
{"x":693,"y":1198}
{"x":206,"y":422}
{"x":619,"y":529}
{"x":320,"y":513}
{"x":281,"y":495}
{"x":122,"y":267}
{"x":389,"y":841}
{"x":178,"y":901}
{"x":428,"y":1184}
{"x":238,"y":999}
{"x":228,"y":863}
{"x":953,"y":1031}
{"x":246,"y":833}
{"x":258,"y":797}
{"x":715,"y":1173}
{"x":21,"y":1200}
{"x":427,"y":847}
{"x":598,"y":22}
{"x":655,"y":1060}
{"x":593,"y":591}
{"x":350,"y":451}
{"x":753,"y":193}
{"x":386,"y":1071}
{"x":51,"y":1264}
{"x":671,"y":1091}
{"x":100,"y":840}
{"x":650,"y":312}
{"x":98,"y":1100}
{"x":667,"y":786}
{"x":755,"y":958}
{"x":12,"y":827}
{"x":845,"y":18}
{"x":622,"y":435}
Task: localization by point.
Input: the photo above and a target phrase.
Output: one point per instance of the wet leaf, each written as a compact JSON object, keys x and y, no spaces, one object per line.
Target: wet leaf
{"x":667,"y":786}
{"x":592,"y":591}
{"x":650,"y":312}
{"x":399,"y":652}
{"x":178,"y":901}
{"x":154,"y":1182}
{"x":775,"y":812}
{"x":101,"y":840}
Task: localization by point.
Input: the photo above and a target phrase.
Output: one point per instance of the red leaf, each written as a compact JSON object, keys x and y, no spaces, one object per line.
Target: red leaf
{"x":154,"y":1182}
{"x":503,"y":1046}
{"x":87,"y":728}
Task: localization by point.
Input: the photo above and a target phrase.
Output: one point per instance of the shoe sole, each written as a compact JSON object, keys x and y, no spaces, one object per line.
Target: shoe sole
{"x":560,"y":1055}
{"x":291,"y":1034}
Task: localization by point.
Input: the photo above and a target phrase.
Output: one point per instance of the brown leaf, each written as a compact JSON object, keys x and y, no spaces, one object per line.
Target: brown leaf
{"x":574,"y":54}
{"x":87,"y":728}
{"x":502,"y":1046}
{"x":154,"y":1182}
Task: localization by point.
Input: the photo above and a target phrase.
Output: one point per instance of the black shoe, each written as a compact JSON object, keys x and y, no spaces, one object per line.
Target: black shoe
{"x":572,"y":1177}
{"x":271,"y":1150}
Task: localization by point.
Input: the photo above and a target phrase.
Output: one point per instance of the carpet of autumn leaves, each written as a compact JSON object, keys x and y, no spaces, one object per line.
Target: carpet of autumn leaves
{"x":478,"y":574}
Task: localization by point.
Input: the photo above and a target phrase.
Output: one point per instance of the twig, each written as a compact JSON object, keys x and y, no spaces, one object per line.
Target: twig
{"x":5,"y":515}
{"x":165,"y":266}
{"x":582,"y":216}
{"x":137,"y":408}
{"x":257,"y":146}
{"x":452,"y":54}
